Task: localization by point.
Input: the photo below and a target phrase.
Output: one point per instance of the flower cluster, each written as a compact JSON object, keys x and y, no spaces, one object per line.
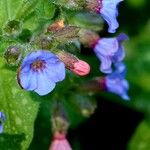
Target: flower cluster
{"x":45,"y":64}
{"x":109,"y":51}
{"x":42,"y":69}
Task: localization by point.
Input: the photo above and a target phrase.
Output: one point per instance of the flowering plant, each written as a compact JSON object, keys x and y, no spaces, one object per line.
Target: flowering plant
{"x":48,"y":78}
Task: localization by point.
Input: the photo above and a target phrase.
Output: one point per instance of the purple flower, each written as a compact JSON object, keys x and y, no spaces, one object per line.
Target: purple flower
{"x":2,"y":119}
{"x":110,"y":50}
{"x":116,"y":83}
{"x":40,"y":71}
{"x":109,"y":12}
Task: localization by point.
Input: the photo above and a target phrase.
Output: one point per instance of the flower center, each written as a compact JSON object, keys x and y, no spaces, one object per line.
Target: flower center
{"x":38,"y":65}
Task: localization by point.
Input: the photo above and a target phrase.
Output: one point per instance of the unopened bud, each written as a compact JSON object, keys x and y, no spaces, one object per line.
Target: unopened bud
{"x":88,"y":38}
{"x":88,"y":108}
{"x":13,"y":55}
{"x":13,"y":27}
{"x":71,"y":4}
{"x":85,"y":104}
{"x":68,"y":33}
{"x":93,"y":5}
{"x":74,"y":64}
{"x":81,"y":68}
{"x":42,"y":42}
{"x":56,"y":26}
{"x":60,"y":142}
{"x":59,"y":119}
{"x":59,"y":124}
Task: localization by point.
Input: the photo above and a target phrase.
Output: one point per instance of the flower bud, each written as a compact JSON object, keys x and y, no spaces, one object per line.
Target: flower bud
{"x":81,"y":68}
{"x":13,"y":27}
{"x":59,"y":119}
{"x":88,"y":38}
{"x":85,"y":104}
{"x":74,"y":64}
{"x":13,"y":54}
{"x":71,"y":4}
{"x":60,"y":142}
{"x":93,"y":5}
{"x":56,"y":26}
{"x":42,"y":42}
{"x":66,"y":34}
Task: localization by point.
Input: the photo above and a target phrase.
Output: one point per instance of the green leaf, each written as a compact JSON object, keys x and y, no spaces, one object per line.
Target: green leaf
{"x":141,"y":138}
{"x":20,"y":110}
{"x":30,"y":15}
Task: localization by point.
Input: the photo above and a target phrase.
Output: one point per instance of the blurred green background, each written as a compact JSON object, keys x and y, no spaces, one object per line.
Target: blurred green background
{"x":135,"y":21}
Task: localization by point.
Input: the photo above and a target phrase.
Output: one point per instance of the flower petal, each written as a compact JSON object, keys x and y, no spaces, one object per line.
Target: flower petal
{"x":31,"y":57}
{"x":1,"y":128}
{"x":107,"y":46}
{"x":120,"y":54}
{"x":55,"y":72}
{"x":28,"y":80}
{"x":117,"y":85}
{"x":2,"y":116}
{"x":44,"y":85}
{"x":105,"y":66}
{"x":122,"y":37}
{"x":109,"y":12}
{"x":39,"y":55}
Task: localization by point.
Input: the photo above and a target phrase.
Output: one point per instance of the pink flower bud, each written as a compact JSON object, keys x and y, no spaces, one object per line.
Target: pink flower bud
{"x":60,"y":142}
{"x":81,"y":68}
{"x":74,"y":64}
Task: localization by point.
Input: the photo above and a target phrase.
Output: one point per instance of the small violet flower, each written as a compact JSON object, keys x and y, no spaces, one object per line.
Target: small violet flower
{"x":116,"y":83}
{"x":60,"y":142}
{"x":40,"y":71}
{"x":109,"y":11}
{"x":2,"y":119}
{"x":110,"y":50}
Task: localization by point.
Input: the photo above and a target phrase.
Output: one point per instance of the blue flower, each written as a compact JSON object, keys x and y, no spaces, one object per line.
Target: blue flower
{"x":40,"y":71}
{"x":116,"y":82}
{"x":110,"y":50}
{"x":109,"y":12}
{"x":2,"y":119}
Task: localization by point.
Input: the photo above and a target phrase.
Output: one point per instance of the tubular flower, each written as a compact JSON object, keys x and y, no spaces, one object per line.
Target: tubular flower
{"x":60,"y":142}
{"x":2,"y":119}
{"x":110,"y":50}
{"x":116,"y":82}
{"x":40,"y":71}
{"x":109,"y":11}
